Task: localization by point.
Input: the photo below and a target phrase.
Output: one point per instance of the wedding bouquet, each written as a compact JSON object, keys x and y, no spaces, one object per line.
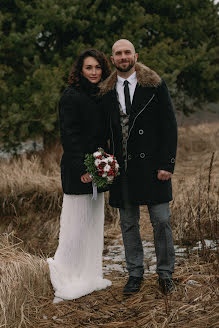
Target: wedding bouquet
{"x":102,"y":167}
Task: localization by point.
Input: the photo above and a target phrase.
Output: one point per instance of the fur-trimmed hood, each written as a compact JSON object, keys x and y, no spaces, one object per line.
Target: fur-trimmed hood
{"x":146,"y":77}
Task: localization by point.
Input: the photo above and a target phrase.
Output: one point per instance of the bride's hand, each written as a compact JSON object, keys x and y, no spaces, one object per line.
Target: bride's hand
{"x":85,"y":178}
{"x":164,"y":175}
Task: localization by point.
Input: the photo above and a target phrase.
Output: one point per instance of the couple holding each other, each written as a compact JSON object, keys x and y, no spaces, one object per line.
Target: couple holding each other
{"x":132,"y":108}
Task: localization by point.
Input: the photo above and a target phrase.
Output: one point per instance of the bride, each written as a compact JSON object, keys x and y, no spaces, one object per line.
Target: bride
{"x":76,"y":268}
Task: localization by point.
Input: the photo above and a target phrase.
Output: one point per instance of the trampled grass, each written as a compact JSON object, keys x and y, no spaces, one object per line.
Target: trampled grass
{"x":26,"y":297}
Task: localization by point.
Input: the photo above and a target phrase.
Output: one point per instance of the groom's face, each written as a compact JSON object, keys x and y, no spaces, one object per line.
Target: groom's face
{"x":124,"y":56}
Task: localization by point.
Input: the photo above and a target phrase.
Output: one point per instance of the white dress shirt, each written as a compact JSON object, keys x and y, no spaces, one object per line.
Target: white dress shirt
{"x":120,"y":89}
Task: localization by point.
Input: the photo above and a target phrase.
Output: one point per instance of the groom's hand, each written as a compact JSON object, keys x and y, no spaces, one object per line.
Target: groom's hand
{"x":85,"y":178}
{"x":164,"y":175}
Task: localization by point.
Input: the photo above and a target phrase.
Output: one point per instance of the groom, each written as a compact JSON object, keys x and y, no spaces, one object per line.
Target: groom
{"x":143,"y":137}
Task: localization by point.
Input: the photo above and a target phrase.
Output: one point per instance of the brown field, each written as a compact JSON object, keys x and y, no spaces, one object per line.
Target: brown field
{"x":30,"y":204}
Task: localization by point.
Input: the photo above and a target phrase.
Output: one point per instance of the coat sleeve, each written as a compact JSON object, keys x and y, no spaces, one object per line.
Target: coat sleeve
{"x":168,"y":130}
{"x":70,"y":130}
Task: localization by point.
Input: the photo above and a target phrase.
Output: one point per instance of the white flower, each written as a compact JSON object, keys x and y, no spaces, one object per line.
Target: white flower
{"x":117,"y":166}
{"x":107,"y":168}
{"x":110,"y":178}
{"x":109,"y":159}
{"x":97,"y":153}
{"x":104,"y":175}
{"x":104,"y":160}
{"x":97,"y":162}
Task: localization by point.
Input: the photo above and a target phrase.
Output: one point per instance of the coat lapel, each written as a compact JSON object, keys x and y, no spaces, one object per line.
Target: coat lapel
{"x":115,"y":107}
{"x":141,"y":97}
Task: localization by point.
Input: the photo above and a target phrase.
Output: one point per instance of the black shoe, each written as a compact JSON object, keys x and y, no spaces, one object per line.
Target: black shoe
{"x":166,"y":285}
{"x":133,"y":285}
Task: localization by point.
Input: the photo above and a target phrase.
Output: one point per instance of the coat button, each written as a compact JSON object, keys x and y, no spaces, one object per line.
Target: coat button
{"x":141,"y":131}
{"x":172,"y":160}
{"x":129,"y":157}
{"x":142,"y":155}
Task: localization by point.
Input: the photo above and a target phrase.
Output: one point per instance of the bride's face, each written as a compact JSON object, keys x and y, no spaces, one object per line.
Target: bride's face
{"x":92,"y":70}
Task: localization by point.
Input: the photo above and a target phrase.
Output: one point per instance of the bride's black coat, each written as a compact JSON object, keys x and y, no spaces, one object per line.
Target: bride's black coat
{"x":152,"y":141}
{"x":81,"y":129}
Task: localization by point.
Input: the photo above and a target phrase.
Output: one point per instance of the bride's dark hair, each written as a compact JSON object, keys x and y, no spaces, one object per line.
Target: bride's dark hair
{"x":75,"y":73}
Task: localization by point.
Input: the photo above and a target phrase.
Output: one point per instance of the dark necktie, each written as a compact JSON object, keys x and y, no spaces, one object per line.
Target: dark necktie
{"x":127,"y":97}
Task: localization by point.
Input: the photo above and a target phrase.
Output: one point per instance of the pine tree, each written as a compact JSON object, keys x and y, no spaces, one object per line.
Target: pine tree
{"x":39,"y":41}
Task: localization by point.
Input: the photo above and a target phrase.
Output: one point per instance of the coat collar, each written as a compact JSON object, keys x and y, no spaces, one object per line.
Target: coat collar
{"x":146,"y":77}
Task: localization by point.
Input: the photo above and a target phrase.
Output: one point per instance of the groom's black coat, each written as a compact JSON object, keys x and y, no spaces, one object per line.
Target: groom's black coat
{"x":152,"y":138}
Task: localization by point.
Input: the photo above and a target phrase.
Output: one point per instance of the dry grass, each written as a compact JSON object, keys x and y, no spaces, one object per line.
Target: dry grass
{"x":30,"y":173}
{"x":26,"y":297}
{"x":30,"y":200}
{"x":196,"y":184}
{"x":194,"y":139}
{"x":196,"y":205}
{"x":31,"y":181}
{"x":24,"y":282}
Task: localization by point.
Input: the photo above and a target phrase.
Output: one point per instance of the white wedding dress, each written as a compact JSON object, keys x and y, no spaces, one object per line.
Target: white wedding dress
{"x":76,"y":269}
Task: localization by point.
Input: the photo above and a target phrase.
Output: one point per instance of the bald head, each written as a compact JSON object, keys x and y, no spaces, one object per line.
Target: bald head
{"x":123,"y":43}
{"x":124,"y":57}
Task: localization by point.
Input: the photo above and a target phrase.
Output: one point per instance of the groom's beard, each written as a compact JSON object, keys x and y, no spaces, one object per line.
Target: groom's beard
{"x":131,"y":64}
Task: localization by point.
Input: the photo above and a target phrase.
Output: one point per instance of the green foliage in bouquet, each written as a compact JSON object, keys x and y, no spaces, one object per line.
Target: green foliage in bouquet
{"x":102,"y":166}
{"x":91,"y":168}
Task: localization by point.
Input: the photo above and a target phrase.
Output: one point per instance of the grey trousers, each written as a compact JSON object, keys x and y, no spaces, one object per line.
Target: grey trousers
{"x":163,"y":240}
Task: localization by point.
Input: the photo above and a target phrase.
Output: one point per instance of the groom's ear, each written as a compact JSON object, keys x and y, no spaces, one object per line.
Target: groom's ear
{"x":136,"y":57}
{"x":112,"y":60}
